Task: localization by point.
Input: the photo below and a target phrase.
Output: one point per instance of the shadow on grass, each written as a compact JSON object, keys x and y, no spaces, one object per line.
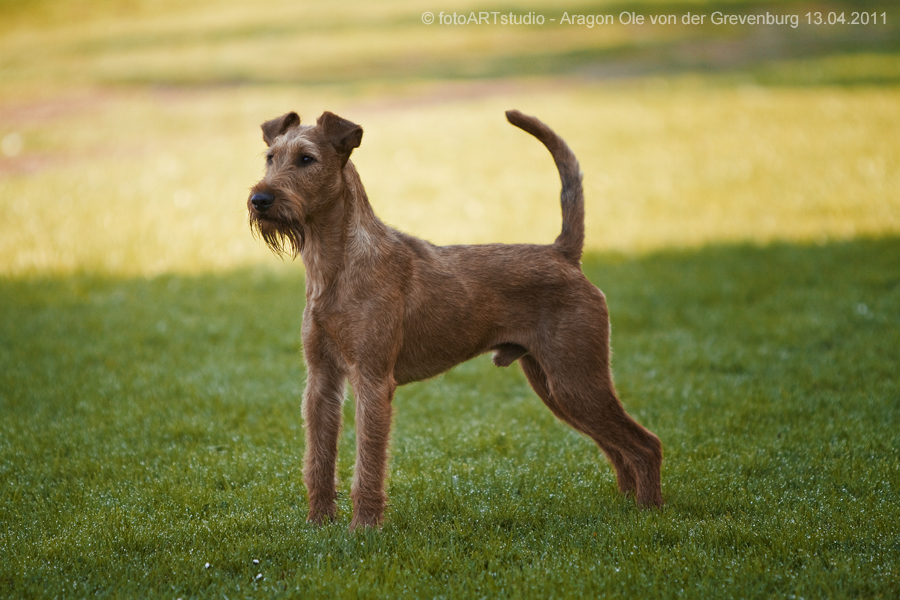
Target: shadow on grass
{"x":771,"y":55}
{"x":817,"y":318}
{"x":154,"y":426}
{"x":843,"y":54}
{"x":789,"y":318}
{"x":825,"y":54}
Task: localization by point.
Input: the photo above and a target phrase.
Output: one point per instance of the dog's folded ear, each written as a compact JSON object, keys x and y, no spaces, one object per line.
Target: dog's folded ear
{"x":342,"y":134}
{"x":272,"y":129}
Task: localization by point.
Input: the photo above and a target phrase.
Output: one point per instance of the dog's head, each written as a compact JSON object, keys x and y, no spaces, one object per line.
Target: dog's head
{"x":304,"y":166}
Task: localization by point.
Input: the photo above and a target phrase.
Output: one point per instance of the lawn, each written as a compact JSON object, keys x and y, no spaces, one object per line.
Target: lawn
{"x":152,"y":426}
{"x":743,"y":218}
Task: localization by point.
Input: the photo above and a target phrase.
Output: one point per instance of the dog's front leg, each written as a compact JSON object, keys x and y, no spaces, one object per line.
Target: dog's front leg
{"x":322,"y":402}
{"x":373,"y":427}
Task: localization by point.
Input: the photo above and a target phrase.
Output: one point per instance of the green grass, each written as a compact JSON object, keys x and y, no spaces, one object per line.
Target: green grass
{"x":151,"y":426}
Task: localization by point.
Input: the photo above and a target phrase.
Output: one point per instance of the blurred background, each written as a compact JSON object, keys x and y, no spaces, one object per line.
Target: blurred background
{"x":130,"y":128}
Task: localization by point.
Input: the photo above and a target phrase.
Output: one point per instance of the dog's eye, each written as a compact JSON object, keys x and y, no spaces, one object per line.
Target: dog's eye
{"x":305,"y":159}
{"x":269,"y":158}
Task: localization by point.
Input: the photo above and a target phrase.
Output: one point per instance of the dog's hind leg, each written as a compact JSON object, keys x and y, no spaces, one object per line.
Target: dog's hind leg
{"x":591,"y":407}
{"x":625,"y":476}
{"x":637,"y":454}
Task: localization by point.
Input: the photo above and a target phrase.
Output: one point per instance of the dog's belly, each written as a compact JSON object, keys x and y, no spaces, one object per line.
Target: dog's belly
{"x":425,"y":360}
{"x":436,"y":340}
{"x":407,"y":373}
{"x":458,"y":329}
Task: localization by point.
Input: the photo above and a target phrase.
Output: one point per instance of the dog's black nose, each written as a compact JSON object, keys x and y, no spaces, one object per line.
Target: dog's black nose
{"x":262,"y":201}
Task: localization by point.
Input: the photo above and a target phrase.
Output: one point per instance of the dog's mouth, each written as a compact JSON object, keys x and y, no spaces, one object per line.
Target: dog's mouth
{"x":282,"y":234}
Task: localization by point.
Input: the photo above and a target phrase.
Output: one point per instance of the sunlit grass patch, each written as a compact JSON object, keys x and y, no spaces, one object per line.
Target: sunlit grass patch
{"x":678,"y":163}
{"x":140,"y":182}
{"x":151,"y":182}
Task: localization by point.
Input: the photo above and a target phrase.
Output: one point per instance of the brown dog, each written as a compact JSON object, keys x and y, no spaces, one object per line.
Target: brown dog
{"x":384,"y":308}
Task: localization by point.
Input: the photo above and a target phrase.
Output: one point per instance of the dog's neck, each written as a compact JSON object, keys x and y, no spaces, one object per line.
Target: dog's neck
{"x":345,"y":231}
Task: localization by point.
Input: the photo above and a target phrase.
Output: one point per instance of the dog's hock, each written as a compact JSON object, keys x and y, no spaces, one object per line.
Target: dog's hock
{"x":272,"y":129}
{"x":342,"y":134}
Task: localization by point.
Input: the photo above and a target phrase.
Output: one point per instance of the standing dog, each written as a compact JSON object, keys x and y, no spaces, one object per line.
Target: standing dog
{"x":384,"y":308}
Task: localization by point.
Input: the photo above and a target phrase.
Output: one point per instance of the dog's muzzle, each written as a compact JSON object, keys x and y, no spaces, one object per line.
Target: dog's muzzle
{"x":262,"y":201}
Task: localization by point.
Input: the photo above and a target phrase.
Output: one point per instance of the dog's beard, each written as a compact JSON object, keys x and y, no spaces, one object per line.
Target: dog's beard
{"x":284,"y":239}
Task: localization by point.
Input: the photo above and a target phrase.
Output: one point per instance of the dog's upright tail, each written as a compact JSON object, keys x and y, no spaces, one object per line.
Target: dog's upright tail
{"x":571,"y":240}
